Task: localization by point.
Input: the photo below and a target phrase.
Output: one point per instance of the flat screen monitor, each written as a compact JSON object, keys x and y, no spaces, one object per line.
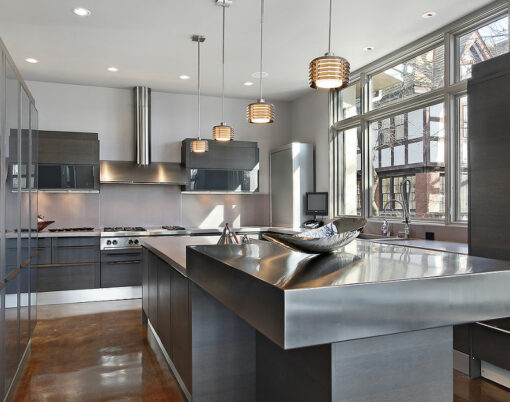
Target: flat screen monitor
{"x":317,"y":204}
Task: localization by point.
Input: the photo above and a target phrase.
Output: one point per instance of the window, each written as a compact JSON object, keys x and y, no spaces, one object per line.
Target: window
{"x":348,"y":144}
{"x":351,"y":101}
{"x":409,"y":145}
{"x":416,"y":126}
{"x":483,"y":43}
{"x":462,"y":158}
{"x":418,"y":75}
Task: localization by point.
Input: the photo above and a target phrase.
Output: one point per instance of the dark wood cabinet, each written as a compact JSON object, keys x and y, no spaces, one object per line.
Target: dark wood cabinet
{"x":145,"y":281}
{"x":152,"y":293}
{"x":64,"y":147}
{"x":74,"y":250}
{"x":56,"y":277}
{"x":181,"y":326}
{"x":121,"y":268}
{"x":164,"y":303}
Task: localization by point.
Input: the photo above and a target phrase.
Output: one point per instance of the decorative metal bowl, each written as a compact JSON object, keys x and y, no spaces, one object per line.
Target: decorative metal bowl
{"x":326,"y":239}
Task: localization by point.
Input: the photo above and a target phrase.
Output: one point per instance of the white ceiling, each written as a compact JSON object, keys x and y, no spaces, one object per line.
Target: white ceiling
{"x":150,"y":40}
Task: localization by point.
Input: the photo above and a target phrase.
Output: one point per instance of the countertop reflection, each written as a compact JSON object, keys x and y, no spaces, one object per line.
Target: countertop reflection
{"x":360,"y":262}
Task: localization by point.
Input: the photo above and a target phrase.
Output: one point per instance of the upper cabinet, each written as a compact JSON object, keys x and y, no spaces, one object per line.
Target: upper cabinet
{"x":229,"y":166}
{"x":68,"y":161}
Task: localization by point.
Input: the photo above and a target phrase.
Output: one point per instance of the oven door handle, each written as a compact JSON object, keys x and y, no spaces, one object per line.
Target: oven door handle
{"x":123,"y":262}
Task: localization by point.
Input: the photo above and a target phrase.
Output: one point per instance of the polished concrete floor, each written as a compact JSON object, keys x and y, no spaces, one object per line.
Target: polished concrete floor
{"x":99,"y":352}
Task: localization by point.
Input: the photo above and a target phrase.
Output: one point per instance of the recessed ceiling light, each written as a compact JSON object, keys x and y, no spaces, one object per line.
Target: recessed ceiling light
{"x":368,"y":48}
{"x":82,"y":12}
{"x":248,"y":83}
{"x":184,"y":77}
{"x":113,"y":69}
{"x":257,"y":74}
{"x":429,"y":14}
{"x":31,"y":60}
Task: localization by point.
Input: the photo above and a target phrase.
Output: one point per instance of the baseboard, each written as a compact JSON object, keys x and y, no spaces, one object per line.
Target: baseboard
{"x":19,"y":372}
{"x":496,"y":374}
{"x":157,"y":345}
{"x":461,"y":362}
{"x":89,"y":295}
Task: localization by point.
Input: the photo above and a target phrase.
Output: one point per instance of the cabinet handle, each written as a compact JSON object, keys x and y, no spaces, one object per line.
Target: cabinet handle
{"x":12,"y":275}
{"x":123,"y":262}
{"x":137,"y":254}
{"x":89,"y":246}
{"x":65,"y":265}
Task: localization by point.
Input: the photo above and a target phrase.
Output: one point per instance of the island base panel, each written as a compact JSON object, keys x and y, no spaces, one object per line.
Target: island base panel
{"x":412,"y":366}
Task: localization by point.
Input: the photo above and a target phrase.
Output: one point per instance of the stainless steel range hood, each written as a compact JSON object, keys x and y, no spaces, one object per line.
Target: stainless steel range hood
{"x":143,"y":171}
{"x":131,"y":173}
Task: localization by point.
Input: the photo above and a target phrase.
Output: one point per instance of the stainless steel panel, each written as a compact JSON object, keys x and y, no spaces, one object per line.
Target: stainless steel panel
{"x":367,"y":290}
{"x":130,"y":173}
{"x":143,"y":125}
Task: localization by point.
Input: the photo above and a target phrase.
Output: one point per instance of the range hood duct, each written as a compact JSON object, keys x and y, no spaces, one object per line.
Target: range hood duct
{"x":143,"y":171}
{"x":143,"y":125}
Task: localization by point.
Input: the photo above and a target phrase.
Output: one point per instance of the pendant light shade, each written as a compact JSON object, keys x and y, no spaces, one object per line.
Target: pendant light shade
{"x":329,"y":71}
{"x":260,"y":112}
{"x":199,"y":145}
{"x":223,"y":133}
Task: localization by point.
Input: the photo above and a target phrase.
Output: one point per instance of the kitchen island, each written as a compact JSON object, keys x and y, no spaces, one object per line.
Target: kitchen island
{"x":371,"y":323}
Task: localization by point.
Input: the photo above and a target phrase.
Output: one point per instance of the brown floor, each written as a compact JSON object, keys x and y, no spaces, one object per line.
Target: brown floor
{"x":99,"y":352}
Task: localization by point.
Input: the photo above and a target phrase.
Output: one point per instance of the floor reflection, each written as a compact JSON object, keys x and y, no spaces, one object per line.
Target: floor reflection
{"x":99,"y":354}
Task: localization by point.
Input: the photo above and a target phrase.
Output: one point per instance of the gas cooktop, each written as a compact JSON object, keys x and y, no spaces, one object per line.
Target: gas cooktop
{"x":124,"y":229}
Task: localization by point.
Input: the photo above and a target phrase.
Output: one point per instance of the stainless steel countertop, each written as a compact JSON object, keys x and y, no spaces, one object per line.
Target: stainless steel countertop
{"x":162,"y":232}
{"x":370,"y":289}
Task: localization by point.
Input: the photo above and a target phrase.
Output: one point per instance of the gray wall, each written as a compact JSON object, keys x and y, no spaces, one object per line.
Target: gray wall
{"x":309,"y":123}
{"x":110,"y":112}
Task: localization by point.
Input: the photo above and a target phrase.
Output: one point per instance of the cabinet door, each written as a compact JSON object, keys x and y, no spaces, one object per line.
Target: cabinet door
{"x":11,"y":333}
{"x":39,"y":251}
{"x":164,"y":313}
{"x":145,"y":280}
{"x":180,"y":326}
{"x":24,"y":303}
{"x":67,"y":276}
{"x":121,"y":273}
{"x":153,"y":290}
{"x":73,"y":250}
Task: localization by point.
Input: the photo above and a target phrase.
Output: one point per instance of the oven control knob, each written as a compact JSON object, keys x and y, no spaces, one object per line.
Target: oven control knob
{"x":130,"y":241}
{"x":136,"y":241}
{"x":114,"y":242}
{"x":108,"y":242}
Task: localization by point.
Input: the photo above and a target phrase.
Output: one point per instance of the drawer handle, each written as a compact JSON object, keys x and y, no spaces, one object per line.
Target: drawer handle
{"x":503,"y":331}
{"x":12,"y":275}
{"x":65,"y":265}
{"x":137,"y":254}
{"x":123,"y":262}
{"x":89,"y":246}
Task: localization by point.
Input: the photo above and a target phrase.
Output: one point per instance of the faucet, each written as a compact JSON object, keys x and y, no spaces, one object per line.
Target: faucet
{"x":405,"y":195}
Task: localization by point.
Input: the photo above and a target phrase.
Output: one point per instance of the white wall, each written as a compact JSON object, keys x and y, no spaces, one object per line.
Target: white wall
{"x":110,"y":113}
{"x":309,"y":123}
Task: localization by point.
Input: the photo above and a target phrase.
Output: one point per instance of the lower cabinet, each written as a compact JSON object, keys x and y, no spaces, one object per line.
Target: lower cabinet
{"x":121,"y":268}
{"x":165,"y":301}
{"x":56,"y":277}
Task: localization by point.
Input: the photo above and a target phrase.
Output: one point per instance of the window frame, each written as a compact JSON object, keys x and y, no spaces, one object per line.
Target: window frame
{"x":448,"y":94}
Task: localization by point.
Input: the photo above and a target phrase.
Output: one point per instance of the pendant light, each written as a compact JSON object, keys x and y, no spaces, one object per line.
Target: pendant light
{"x":223,"y":132}
{"x":261,"y":112}
{"x":329,"y":71}
{"x":199,"y":145}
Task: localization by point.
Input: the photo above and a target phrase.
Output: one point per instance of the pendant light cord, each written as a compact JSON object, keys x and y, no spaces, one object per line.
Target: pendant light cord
{"x":198,"y":75}
{"x":223,"y":71}
{"x":329,"y":40}
{"x":261,"y":37}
